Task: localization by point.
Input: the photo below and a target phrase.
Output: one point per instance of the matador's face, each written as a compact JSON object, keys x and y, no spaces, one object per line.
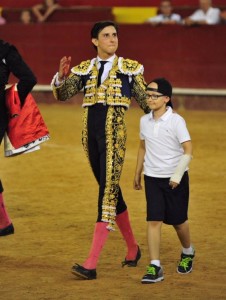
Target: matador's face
{"x":106,"y":42}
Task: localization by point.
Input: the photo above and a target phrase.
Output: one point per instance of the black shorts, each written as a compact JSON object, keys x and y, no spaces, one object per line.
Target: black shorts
{"x":164,"y":203}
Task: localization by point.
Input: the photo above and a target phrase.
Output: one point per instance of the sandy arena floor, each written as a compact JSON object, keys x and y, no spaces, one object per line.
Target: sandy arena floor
{"x":51,"y":197}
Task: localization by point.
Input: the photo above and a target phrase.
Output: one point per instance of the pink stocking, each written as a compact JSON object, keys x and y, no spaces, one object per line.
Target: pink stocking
{"x":4,"y":217}
{"x":123,"y":223}
{"x":99,"y":238}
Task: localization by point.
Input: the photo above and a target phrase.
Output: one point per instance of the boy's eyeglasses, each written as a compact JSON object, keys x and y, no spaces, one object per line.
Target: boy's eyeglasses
{"x":153,"y":97}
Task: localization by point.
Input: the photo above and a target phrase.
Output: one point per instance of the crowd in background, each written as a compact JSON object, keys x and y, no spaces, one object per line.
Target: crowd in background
{"x":37,"y":13}
{"x":206,"y":13}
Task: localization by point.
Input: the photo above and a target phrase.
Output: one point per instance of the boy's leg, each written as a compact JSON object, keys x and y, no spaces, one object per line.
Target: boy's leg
{"x":155,"y":217}
{"x":177,"y":213}
{"x":188,"y":252}
{"x":154,"y":270}
{"x":183,"y":234}
{"x":154,"y":239}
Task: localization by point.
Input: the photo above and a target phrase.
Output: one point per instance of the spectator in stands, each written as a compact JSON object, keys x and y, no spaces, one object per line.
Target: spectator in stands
{"x":205,"y":15}
{"x":166,"y":15}
{"x":44,"y":10}
{"x":223,"y":16}
{"x":25,"y":17}
{"x":2,"y":20}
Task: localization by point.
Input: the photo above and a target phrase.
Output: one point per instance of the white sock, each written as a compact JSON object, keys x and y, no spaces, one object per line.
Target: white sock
{"x":155,"y":262}
{"x":188,"y":251}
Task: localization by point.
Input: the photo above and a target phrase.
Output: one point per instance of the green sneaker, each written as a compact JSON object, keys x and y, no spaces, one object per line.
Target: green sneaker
{"x":154,"y":274}
{"x":185,"y":264}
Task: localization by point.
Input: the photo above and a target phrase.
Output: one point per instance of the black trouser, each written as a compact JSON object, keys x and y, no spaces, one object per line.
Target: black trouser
{"x":97,"y":152}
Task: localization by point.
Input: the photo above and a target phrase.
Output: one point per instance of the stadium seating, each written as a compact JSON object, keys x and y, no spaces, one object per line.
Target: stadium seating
{"x":189,"y":57}
{"x":90,"y":11}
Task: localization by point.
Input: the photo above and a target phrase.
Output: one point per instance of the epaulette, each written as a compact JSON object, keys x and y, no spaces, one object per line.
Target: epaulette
{"x":129,"y":66}
{"x":84,"y":67}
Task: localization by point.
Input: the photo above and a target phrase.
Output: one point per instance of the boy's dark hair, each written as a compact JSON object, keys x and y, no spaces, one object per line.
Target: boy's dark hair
{"x":97,"y":27}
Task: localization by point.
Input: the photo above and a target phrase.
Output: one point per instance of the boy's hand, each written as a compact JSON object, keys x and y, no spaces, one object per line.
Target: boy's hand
{"x":173,"y":184}
{"x":137,"y":182}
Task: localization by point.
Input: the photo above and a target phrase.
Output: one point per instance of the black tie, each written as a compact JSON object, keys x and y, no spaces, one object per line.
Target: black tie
{"x":101,"y":70}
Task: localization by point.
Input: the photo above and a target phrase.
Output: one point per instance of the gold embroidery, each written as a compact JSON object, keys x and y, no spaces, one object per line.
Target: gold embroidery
{"x":116,"y":146}
{"x":85,"y":132}
{"x":83,"y":68}
{"x":110,"y":91}
{"x":130,"y":67}
{"x":138,"y":92}
{"x":70,"y":87}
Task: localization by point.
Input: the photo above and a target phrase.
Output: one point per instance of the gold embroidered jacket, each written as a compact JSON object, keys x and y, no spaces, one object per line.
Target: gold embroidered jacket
{"x":117,"y":89}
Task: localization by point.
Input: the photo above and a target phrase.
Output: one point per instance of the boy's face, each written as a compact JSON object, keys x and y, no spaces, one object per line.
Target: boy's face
{"x":106,"y":42}
{"x":155,"y":100}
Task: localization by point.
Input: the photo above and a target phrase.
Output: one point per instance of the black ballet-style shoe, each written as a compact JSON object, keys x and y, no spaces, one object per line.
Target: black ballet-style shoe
{"x":7,"y":230}
{"x":84,"y":273}
{"x":132,"y":263}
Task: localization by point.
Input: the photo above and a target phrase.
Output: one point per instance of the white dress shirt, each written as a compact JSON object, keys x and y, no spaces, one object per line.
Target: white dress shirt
{"x":107,"y":66}
{"x":212,"y":16}
{"x":161,"y":18}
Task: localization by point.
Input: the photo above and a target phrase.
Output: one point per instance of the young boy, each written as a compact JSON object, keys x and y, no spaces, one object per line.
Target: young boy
{"x":164,"y":155}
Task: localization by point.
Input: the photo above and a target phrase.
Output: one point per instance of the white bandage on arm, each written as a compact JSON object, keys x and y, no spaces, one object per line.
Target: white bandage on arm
{"x":181,"y":168}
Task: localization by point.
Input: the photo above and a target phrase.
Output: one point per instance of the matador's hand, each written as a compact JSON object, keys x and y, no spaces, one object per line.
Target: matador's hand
{"x":64,"y":67}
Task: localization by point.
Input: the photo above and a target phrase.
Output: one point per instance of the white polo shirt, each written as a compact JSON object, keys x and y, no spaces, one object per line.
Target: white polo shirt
{"x":163,"y":140}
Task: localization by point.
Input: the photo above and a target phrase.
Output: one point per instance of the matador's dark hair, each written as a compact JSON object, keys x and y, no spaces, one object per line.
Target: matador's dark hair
{"x":97,"y":27}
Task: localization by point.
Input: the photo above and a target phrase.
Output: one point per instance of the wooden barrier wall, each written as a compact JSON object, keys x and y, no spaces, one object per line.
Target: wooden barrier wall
{"x":193,"y":57}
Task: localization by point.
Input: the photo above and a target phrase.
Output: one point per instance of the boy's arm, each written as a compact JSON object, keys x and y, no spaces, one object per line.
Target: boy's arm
{"x":183,"y":164}
{"x":139,"y":166}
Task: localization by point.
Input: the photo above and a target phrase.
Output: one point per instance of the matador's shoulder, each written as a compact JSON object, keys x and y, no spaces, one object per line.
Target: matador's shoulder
{"x":129,"y":66}
{"x":84,"y":67}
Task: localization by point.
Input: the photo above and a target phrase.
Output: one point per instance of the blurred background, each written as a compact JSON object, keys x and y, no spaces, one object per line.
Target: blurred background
{"x":193,"y":58}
